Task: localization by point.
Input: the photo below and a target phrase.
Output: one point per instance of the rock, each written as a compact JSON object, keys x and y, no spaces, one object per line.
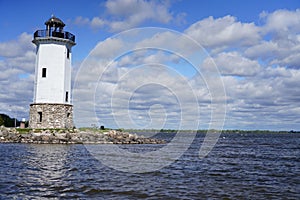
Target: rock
{"x":45,"y":138}
{"x":35,"y":134}
{"x":68,"y":136}
{"x":73,"y":136}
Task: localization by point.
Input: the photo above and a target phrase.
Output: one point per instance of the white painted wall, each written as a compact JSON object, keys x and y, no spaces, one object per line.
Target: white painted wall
{"x":52,"y":55}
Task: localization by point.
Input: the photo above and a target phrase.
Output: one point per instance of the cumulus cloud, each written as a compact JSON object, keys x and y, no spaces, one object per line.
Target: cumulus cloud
{"x":134,"y":12}
{"x":17,"y":58}
{"x":283,"y":51}
{"x":81,"y":21}
{"x":126,"y":14}
{"x":281,"y":21}
{"x":259,"y":73}
{"x":142,"y":90}
{"x":223,"y":32}
{"x":234,"y":64}
{"x":150,"y":87}
{"x":127,"y":88}
{"x":97,"y":22}
{"x":256,"y":74}
{"x":260,"y":102}
{"x":94,"y":23}
{"x":282,"y":44}
{"x":16,"y":47}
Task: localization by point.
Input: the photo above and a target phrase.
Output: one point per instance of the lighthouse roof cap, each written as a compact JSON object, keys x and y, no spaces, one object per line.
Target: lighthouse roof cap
{"x":55,"y":21}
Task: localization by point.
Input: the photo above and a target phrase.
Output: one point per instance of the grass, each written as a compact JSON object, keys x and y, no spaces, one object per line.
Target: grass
{"x":37,"y":130}
{"x":95,"y":130}
{"x":55,"y":130}
{"x":23,"y":130}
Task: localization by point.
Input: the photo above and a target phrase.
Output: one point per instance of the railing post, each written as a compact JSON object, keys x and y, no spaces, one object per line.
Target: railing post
{"x":52,"y":33}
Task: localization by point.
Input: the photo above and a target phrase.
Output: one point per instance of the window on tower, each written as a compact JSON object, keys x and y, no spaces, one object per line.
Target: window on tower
{"x":68,"y":53}
{"x":44,"y":72}
{"x":67,"y":96}
{"x":40,"y":116}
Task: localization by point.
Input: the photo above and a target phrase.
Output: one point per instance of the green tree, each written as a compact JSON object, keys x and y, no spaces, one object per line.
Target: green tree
{"x":7,"y":121}
{"x":1,"y":121}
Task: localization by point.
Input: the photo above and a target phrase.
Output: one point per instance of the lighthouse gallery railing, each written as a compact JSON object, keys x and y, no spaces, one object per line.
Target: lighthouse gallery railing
{"x":52,"y":33}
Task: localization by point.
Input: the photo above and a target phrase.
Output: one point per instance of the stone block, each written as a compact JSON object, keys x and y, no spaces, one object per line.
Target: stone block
{"x":44,"y":115}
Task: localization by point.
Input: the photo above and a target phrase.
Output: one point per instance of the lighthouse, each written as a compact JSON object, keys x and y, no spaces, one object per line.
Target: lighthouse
{"x":52,"y":107}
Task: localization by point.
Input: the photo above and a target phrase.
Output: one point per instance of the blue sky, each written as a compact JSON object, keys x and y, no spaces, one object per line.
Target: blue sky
{"x":254,"y":44}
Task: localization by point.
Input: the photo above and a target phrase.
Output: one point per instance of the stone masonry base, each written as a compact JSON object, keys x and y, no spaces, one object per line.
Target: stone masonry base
{"x":46,"y":115}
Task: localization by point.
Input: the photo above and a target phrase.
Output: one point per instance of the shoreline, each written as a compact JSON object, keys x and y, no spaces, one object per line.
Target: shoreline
{"x":72,"y":136}
{"x":204,"y":131}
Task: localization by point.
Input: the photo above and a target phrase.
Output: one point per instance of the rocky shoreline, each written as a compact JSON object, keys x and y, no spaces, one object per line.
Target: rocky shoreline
{"x":73,"y":136}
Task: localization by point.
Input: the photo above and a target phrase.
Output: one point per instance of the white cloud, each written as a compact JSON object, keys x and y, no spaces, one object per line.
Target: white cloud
{"x":223,"y":32}
{"x":262,"y":101}
{"x":134,"y":12}
{"x":81,"y":20}
{"x":234,"y":64}
{"x":266,"y":65}
{"x":282,"y":43}
{"x":94,"y":23}
{"x":108,"y":48}
{"x":281,"y":21}
{"x":141,"y":88}
{"x":16,"y":77}
{"x":264,"y":50}
{"x":126,"y":14}
{"x":141,"y":80}
{"x":97,"y":22}
{"x":259,"y":66}
{"x":16,"y":47}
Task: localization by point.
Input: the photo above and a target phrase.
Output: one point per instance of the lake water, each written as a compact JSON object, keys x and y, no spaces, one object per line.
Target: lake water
{"x":240,"y":166}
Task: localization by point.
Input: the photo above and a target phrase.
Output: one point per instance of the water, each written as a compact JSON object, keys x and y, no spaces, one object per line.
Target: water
{"x":252,"y":166}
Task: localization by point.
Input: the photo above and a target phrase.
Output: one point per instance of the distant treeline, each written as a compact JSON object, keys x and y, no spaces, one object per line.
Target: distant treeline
{"x":205,"y":131}
{"x":6,"y":121}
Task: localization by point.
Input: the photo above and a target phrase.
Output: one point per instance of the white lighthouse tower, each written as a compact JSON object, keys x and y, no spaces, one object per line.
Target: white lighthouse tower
{"x":51,"y":107}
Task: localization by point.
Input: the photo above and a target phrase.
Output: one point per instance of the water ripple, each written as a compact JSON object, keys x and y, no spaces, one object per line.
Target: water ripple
{"x":239,"y":167}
